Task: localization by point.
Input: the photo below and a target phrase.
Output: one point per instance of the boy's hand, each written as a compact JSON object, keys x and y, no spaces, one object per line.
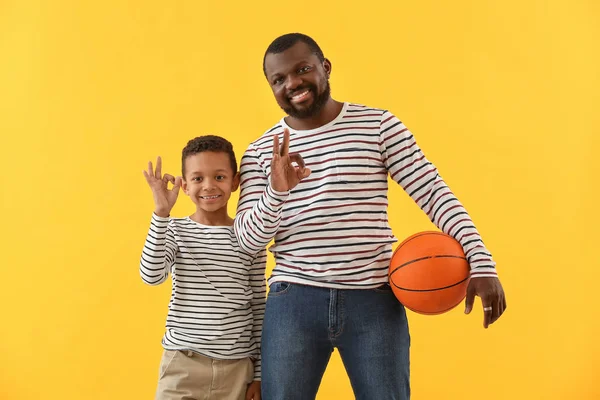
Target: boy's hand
{"x":284,"y":175}
{"x":253,"y":391}
{"x":164,"y":199}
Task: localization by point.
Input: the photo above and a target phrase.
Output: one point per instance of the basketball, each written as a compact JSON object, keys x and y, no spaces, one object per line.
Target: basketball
{"x":429,"y":273}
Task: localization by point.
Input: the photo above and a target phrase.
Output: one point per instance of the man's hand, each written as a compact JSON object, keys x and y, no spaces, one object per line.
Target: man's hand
{"x":253,"y":391}
{"x":284,"y":175}
{"x":164,"y":199}
{"x":492,"y":297}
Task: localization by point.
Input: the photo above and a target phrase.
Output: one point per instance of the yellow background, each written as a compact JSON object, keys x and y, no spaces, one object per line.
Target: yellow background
{"x":502,"y":96}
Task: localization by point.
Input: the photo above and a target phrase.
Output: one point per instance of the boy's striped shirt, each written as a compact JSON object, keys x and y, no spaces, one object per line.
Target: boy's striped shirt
{"x":218,"y":293}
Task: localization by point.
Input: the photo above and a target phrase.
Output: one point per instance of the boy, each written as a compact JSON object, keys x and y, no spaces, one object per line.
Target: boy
{"x":213,"y":330}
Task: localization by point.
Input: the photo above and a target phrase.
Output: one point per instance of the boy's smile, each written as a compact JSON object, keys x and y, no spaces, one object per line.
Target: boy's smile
{"x":209,"y":181}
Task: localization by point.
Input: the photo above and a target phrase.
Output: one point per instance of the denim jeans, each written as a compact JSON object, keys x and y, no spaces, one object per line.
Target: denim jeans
{"x":302,"y":326}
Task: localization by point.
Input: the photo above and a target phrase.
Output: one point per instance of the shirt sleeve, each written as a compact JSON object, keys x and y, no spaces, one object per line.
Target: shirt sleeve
{"x":259,"y":293}
{"x":260,"y":206}
{"x":408,"y":166}
{"x":160,"y":250}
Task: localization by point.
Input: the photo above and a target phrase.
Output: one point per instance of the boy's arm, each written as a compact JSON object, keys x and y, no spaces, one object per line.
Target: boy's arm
{"x":259,"y":298}
{"x":259,"y":208}
{"x":408,"y":166}
{"x":159,"y":252}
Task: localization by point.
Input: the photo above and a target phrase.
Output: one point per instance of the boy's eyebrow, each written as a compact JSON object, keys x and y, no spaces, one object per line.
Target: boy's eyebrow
{"x":201,"y":172}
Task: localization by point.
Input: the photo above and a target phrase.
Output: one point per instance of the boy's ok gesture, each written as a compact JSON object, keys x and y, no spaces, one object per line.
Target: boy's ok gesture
{"x":164,"y":199}
{"x":284,"y":175}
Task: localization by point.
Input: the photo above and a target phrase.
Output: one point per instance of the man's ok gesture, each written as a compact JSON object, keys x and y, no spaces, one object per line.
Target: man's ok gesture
{"x":284,"y":175}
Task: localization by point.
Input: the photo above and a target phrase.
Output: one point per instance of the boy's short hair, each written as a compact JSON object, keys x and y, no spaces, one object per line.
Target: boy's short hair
{"x":208,"y":143}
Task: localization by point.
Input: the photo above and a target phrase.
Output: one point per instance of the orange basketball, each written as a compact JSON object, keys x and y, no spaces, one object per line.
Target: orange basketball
{"x":429,"y":273}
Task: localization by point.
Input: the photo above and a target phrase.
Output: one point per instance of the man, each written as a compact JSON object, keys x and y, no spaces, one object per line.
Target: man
{"x":333,"y":243}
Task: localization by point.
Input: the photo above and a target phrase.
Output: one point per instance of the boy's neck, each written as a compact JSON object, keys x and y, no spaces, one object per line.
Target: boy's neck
{"x":216,"y":218}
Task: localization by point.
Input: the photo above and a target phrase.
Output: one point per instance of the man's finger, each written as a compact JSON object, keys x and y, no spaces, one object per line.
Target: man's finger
{"x":285,"y":147}
{"x":470,"y":299}
{"x":158,"y":172}
{"x":488,"y":311}
{"x":302,"y":173}
{"x":275,"y":145}
{"x":297,"y":158}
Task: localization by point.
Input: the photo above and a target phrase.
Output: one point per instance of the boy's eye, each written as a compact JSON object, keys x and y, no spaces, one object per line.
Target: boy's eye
{"x":197,"y":179}
{"x":220,"y":177}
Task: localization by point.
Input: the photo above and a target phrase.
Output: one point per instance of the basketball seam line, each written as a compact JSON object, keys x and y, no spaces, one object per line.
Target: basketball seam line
{"x":430,"y":290}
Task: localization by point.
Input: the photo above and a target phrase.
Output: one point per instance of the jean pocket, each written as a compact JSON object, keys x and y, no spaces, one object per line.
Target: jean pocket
{"x":279,"y":288}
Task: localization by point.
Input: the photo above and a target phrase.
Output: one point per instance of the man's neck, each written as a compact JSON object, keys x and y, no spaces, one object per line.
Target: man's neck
{"x":328,"y":113}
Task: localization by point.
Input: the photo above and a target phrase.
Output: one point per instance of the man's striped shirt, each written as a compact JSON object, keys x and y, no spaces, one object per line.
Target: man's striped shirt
{"x":218,"y":294}
{"x":332,"y":229}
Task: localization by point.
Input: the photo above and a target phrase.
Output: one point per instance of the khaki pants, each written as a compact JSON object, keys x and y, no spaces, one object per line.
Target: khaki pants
{"x":185,"y":375}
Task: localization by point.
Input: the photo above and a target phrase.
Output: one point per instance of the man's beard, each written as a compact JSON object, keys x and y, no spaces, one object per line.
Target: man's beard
{"x":315,"y":108}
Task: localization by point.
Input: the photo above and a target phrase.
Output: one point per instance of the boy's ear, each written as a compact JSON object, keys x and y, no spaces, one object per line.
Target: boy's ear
{"x":236,"y":182}
{"x":184,"y":185}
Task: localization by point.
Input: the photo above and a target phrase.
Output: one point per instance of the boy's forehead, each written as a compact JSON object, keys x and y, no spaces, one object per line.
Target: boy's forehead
{"x":208,"y":161}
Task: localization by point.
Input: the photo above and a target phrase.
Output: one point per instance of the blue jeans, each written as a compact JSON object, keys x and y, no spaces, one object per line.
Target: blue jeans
{"x":303,"y":325}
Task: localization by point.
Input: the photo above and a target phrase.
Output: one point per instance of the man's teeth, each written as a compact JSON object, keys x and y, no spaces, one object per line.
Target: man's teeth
{"x":296,"y":97}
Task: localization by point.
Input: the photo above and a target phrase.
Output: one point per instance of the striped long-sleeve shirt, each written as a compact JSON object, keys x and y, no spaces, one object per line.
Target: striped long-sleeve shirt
{"x":218,"y":293}
{"x":332,"y":229}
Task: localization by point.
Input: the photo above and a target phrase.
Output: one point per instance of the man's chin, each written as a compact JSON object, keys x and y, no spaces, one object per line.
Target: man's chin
{"x":300,"y":113}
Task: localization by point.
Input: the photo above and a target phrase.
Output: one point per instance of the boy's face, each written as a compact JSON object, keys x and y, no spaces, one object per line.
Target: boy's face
{"x":209,"y":180}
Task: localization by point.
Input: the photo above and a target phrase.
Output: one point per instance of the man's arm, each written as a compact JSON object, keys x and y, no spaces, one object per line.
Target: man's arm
{"x":408,"y":166}
{"x":259,"y":207}
{"x":262,"y":197}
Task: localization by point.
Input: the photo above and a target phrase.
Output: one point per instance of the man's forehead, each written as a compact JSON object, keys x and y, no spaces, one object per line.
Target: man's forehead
{"x":299,"y":52}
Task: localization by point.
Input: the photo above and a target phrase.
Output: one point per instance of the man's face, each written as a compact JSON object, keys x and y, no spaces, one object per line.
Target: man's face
{"x":300,"y":82}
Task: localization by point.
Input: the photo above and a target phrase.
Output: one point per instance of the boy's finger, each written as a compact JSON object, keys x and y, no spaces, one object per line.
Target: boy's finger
{"x":177,"y":184}
{"x":169,"y":178}
{"x":158,"y":172}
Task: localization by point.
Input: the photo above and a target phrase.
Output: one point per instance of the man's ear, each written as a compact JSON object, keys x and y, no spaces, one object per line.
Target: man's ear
{"x":327,"y":67}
